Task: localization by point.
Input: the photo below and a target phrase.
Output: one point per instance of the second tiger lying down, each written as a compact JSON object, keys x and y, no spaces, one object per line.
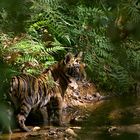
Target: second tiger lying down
{"x":28,"y":92}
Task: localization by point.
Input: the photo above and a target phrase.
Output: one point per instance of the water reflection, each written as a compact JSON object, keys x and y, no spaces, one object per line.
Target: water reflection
{"x":123,"y":136}
{"x":5,"y":137}
{"x":111,"y":120}
{"x":124,"y":113}
{"x":14,"y":136}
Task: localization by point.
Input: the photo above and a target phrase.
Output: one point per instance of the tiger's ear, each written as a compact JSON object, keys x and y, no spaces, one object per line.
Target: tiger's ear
{"x":68,"y":57}
{"x":79,"y":55}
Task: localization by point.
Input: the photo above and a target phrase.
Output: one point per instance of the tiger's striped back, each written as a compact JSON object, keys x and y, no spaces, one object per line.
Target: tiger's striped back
{"x":28,"y":92}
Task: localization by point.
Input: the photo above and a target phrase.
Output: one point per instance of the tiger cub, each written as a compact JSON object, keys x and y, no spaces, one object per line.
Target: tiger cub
{"x":28,"y":92}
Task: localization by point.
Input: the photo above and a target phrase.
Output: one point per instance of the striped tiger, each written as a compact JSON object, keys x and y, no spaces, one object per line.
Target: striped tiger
{"x":29,"y":92}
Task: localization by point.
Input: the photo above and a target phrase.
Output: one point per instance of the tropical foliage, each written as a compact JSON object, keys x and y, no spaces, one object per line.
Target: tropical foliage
{"x":40,"y":32}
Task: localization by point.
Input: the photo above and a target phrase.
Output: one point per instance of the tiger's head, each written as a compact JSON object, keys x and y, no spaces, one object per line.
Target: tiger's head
{"x":73,"y":66}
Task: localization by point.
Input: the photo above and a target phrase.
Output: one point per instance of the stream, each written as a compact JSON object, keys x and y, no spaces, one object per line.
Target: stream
{"x":114,"y":119}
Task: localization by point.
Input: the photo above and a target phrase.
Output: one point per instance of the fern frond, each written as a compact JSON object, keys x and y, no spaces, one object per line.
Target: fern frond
{"x":131,"y":8}
{"x":52,"y":20}
{"x":27,"y":47}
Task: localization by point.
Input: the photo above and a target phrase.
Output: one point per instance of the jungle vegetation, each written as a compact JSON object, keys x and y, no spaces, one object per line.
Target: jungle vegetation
{"x":34,"y":34}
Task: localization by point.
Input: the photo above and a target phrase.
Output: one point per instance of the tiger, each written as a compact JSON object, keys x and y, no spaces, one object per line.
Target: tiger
{"x":29,"y":92}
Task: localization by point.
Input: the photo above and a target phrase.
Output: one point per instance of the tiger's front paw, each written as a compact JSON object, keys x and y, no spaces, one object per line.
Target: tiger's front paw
{"x":21,"y":121}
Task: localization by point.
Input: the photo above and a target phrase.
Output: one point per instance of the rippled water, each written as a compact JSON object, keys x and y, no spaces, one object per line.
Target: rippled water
{"x":117,"y":119}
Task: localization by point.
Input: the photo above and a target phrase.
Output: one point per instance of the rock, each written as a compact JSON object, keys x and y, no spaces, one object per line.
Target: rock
{"x":36,"y":128}
{"x":71,"y":132}
{"x":112,"y":129}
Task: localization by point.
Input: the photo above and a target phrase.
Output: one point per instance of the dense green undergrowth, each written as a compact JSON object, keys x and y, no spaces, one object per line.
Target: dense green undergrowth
{"x":41,"y":32}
